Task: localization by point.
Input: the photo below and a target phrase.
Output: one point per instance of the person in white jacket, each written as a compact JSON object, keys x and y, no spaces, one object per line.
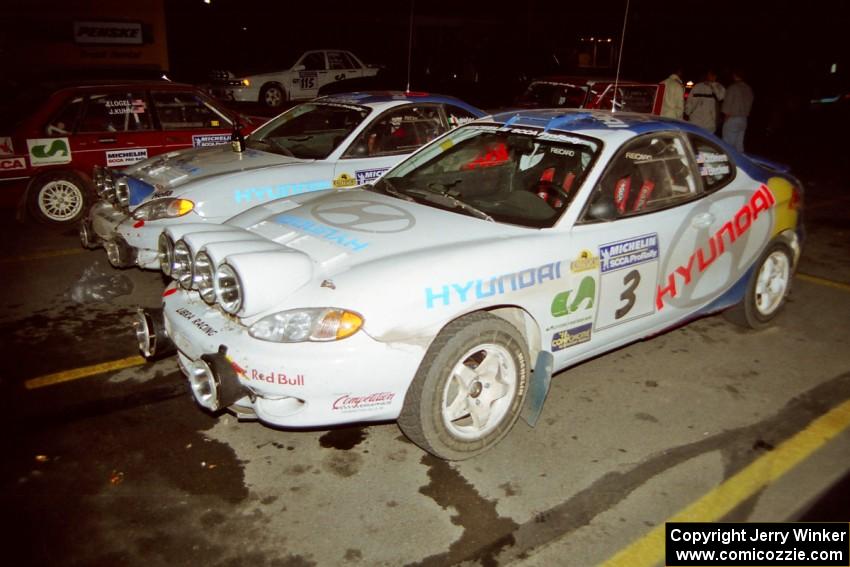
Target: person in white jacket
{"x":701,"y":106}
{"x":673,"y":103}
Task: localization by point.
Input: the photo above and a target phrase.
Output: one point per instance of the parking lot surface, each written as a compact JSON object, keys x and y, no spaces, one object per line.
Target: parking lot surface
{"x":108,"y":461}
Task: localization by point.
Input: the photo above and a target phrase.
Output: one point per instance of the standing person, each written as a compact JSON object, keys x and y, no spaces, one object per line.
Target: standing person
{"x":701,"y":106}
{"x":673,"y":104}
{"x":736,"y":109}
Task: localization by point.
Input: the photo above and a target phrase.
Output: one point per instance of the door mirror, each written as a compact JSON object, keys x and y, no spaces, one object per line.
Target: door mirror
{"x":299,"y":67}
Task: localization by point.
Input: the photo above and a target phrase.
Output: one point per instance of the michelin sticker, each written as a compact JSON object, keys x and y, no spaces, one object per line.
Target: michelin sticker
{"x":49,"y":151}
{"x":629,"y":275}
{"x":117,"y":158}
{"x":369,"y":175}
{"x":208,"y":140}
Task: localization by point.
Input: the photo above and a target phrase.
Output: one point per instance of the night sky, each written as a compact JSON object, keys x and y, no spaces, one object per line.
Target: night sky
{"x":774,"y":42}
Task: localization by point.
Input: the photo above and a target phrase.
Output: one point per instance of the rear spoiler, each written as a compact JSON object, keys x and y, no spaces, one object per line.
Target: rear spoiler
{"x":764,"y":162}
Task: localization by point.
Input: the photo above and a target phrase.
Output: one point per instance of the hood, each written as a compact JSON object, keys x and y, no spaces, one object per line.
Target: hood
{"x":216,"y":178}
{"x":174,"y":169}
{"x":341,"y":228}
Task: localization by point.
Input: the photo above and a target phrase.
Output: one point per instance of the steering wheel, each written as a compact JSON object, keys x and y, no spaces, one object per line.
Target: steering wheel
{"x":551,"y":193}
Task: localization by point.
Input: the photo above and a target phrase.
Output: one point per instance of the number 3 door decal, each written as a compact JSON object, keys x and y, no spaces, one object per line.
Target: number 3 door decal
{"x":631,"y":281}
{"x":628,"y":272}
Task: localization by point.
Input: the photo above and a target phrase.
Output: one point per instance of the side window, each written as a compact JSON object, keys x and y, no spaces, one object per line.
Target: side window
{"x":716,"y":168}
{"x":178,"y":110}
{"x":399,"y":131}
{"x":314,"y":61}
{"x":338,"y":60}
{"x":125,"y":111}
{"x":457,"y":116}
{"x":62,"y":123}
{"x":350,"y":62}
{"x":650,"y":173}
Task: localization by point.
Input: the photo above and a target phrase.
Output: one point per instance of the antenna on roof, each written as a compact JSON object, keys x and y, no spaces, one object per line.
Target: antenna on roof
{"x":410,"y":44}
{"x":619,"y":59}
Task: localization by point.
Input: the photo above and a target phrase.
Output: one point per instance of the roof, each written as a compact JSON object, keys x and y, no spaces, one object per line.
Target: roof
{"x":586,"y":120}
{"x":376,"y":97}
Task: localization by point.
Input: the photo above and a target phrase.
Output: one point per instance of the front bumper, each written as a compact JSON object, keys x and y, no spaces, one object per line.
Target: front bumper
{"x":293,"y":385}
{"x":128,"y":242}
{"x":238,"y":94}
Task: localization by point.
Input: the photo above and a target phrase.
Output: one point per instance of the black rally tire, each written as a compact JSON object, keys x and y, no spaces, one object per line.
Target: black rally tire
{"x":767,"y":289}
{"x":58,"y":198}
{"x":272,"y":96}
{"x":422,"y":416}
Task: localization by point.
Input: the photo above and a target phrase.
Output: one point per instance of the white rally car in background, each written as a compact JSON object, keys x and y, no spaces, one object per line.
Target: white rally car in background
{"x":311,"y":71}
{"x":339,"y":141}
{"x":447,"y":293}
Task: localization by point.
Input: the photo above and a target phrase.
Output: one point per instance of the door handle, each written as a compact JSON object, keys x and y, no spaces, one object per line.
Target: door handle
{"x":702,"y":220}
{"x":107,"y":140}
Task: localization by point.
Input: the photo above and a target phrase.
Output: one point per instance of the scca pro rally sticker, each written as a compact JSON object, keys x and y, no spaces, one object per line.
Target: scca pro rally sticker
{"x":365,"y":176}
{"x":209,"y":140}
{"x":115,"y":158}
{"x":629,"y":274}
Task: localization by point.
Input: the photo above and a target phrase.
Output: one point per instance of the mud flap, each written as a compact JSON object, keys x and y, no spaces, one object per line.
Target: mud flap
{"x":538,"y":388}
{"x":228,"y":388}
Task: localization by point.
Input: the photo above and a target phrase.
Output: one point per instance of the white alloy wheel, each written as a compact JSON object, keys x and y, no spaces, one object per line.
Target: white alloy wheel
{"x":772,"y":283}
{"x":469,"y":389}
{"x":57,"y":198}
{"x":478,"y":393}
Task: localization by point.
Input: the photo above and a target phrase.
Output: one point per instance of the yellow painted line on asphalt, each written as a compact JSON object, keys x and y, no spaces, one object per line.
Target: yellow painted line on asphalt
{"x":823,"y":281}
{"x":649,"y":550}
{"x":84,"y":372}
{"x":42,"y":255}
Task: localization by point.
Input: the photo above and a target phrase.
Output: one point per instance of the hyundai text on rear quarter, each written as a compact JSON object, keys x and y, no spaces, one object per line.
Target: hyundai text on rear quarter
{"x":446,"y":294}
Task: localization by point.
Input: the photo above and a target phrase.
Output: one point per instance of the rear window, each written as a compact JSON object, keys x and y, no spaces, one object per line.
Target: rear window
{"x":185,"y":110}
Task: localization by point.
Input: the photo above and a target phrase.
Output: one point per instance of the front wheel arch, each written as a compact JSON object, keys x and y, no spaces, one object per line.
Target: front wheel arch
{"x":469,"y":389}
{"x":266,"y":87}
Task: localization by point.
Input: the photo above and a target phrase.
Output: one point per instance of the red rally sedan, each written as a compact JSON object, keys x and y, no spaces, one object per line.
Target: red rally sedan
{"x":47,"y":157}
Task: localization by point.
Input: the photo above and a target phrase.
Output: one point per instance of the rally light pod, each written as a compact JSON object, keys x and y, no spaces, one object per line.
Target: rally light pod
{"x":178,"y":231}
{"x":197,"y":240}
{"x":268,"y":278}
{"x":211,"y":256}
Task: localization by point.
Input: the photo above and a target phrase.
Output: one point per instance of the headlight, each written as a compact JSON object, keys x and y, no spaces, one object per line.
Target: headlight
{"x":181,"y":268}
{"x":97,"y":179}
{"x":108,"y":191}
{"x":165,"y":247}
{"x":245,"y":83}
{"x":122,"y":192}
{"x":163,"y":209}
{"x":205,"y":277}
{"x":298,"y":325}
{"x":228,"y":289}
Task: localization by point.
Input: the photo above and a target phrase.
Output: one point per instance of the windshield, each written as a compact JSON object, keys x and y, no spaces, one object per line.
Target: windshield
{"x":500,"y":175}
{"x":308,"y":131}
